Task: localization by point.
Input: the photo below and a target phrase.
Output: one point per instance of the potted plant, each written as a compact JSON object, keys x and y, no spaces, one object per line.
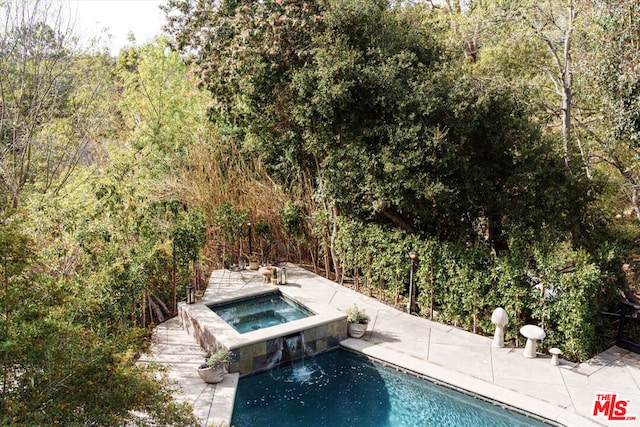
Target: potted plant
{"x":254,"y":262}
{"x":357,"y":321}
{"x":213,"y":370}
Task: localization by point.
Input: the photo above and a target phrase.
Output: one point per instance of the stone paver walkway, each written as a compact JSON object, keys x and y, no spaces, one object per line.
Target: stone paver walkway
{"x":174,"y":349}
{"x":565,"y":394}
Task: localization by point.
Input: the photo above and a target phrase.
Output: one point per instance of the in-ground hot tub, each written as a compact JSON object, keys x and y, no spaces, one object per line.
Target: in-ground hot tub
{"x":266,"y":346}
{"x":251,"y":314}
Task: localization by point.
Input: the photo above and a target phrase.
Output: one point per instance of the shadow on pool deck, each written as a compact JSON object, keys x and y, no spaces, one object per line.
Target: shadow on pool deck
{"x":565,"y":394}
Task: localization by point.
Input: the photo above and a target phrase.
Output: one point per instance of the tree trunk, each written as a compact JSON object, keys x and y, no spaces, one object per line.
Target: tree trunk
{"x":392,"y":215}
{"x":635,"y":200}
{"x":153,"y":308}
{"x":567,"y":83}
{"x":146,"y":302}
{"x":564,"y":79}
{"x":397,"y":291}
{"x":631,"y":182}
{"x":584,"y":157}
{"x":496,"y":236}
{"x":327,"y":269}
{"x":313,"y":260}
{"x":369,"y":278}
{"x":566,"y":123}
{"x":174,"y":281}
{"x":334,"y":232}
{"x":163,"y":306}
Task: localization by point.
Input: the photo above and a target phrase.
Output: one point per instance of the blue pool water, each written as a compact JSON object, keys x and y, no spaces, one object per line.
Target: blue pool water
{"x":341,"y":389}
{"x":261,"y":312}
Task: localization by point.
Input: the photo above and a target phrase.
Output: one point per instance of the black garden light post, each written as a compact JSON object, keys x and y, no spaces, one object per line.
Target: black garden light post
{"x":412,"y":256}
{"x":250,"y":240}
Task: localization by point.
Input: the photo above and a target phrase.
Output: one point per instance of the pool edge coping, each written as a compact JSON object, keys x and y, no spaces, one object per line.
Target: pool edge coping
{"x":511,"y":400}
{"x":493,"y":393}
{"x":564,"y":413}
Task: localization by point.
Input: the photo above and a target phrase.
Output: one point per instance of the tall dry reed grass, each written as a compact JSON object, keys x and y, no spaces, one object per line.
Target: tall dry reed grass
{"x":215,"y":172}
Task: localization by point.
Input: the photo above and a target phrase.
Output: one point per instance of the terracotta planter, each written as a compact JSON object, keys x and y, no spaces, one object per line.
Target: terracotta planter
{"x":211,"y":375}
{"x":356,"y":330}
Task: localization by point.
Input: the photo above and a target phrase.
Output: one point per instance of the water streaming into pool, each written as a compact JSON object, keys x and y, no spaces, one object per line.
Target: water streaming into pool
{"x":341,"y":389}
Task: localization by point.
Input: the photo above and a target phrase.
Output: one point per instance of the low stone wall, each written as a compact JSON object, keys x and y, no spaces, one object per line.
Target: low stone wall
{"x":274,"y":352}
{"x":195,"y":329}
{"x":311,"y":336}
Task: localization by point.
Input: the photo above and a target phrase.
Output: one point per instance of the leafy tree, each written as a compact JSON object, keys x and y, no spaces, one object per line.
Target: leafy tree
{"x":99,"y":271}
{"x":61,"y":359}
{"x":292,"y":221}
{"x":393,"y":124}
{"x":617,"y":87}
{"x":161,"y":109}
{"x":231,"y":223}
{"x":554,"y":23}
{"x":371,"y":107}
{"x":50,"y":119}
{"x":188,"y":236}
{"x":545,"y":46}
{"x":248,"y":61}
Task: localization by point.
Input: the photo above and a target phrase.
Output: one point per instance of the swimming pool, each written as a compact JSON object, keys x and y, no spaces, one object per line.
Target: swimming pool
{"x":341,"y":389}
{"x":261,"y":312}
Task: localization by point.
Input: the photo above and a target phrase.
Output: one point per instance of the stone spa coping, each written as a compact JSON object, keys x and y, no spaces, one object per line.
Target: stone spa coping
{"x":253,"y":351}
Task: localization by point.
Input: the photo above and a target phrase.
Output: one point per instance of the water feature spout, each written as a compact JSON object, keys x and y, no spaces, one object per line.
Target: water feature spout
{"x":286,"y":350}
{"x":293,"y":347}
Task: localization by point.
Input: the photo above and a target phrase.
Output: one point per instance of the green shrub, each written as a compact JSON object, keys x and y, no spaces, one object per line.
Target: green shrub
{"x":462,"y":285}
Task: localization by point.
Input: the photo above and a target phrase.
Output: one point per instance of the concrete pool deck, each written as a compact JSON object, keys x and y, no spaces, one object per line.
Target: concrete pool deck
{"x":565,"y":394}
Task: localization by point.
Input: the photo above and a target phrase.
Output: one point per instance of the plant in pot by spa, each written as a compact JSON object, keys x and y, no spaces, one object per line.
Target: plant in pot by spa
{"x":357,"y":321}
{"x":254,"y":262}
{"x":213,"y":370}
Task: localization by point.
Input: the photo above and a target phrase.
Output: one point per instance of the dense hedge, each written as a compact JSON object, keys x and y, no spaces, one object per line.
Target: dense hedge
{"x":557,"y":287}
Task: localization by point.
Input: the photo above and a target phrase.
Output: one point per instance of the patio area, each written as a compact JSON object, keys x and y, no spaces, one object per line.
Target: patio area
{"x":566,"y":394}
